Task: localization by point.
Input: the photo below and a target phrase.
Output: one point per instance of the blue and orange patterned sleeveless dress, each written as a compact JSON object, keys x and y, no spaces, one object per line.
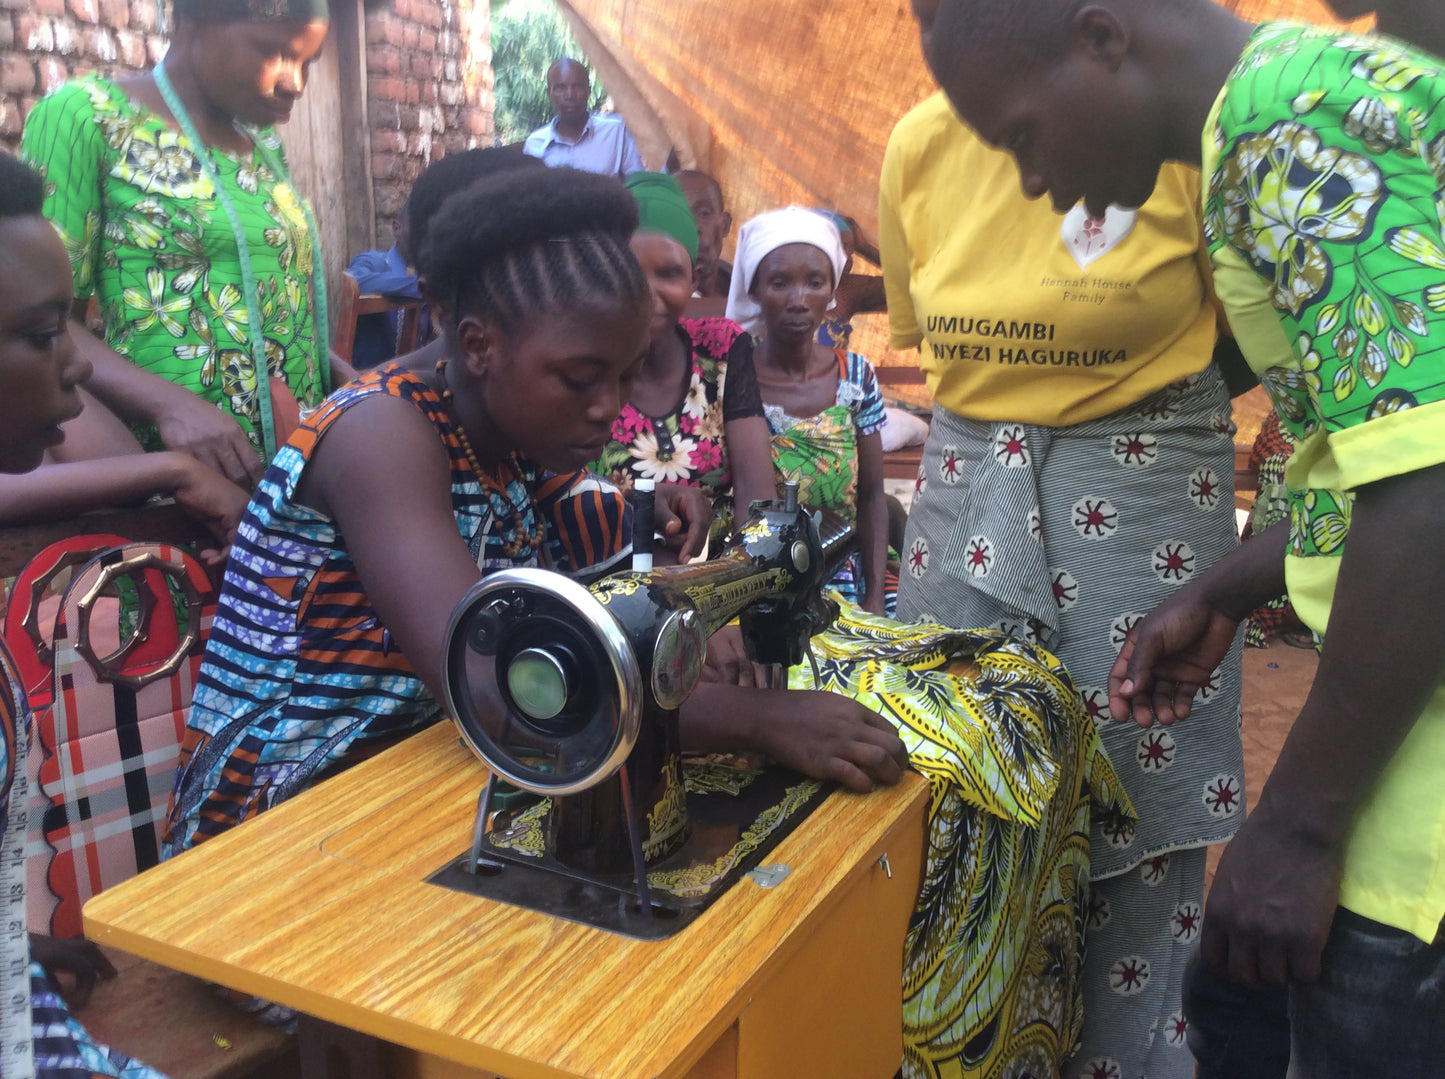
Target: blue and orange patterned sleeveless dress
{"x":300,"y":676}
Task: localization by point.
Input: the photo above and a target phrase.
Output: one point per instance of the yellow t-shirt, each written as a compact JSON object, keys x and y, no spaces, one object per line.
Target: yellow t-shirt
{"x":1024,"y":315}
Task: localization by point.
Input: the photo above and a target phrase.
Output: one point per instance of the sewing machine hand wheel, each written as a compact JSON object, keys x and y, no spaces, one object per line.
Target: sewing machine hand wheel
{"x":544,"y":685}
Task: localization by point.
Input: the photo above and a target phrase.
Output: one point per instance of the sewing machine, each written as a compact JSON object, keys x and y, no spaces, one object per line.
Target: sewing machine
{"x":572,"y":694}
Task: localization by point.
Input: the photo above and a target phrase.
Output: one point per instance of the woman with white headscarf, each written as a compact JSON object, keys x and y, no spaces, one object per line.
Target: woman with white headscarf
{"x":823,"y":406}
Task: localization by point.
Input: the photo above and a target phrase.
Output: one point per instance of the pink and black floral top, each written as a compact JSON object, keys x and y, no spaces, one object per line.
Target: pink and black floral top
{"x":687,"y":445}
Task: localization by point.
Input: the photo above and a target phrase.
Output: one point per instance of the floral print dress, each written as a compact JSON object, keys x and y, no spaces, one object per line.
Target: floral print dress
{"x":687,"y":445}
{"x":149,"y":239}
{"x":1324,"y":162}
{"x":820,"y":454}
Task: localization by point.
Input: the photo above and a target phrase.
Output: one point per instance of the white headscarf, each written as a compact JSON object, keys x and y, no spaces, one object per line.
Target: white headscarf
{"x":762,"y":236}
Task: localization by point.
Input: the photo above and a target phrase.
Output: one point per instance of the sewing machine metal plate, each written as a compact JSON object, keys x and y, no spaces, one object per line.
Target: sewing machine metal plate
{"x":738,"y":816}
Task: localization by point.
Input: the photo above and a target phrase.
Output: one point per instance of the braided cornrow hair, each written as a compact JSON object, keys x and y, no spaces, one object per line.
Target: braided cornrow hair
{"x":447,"y":176}
{"x":517,"y":245}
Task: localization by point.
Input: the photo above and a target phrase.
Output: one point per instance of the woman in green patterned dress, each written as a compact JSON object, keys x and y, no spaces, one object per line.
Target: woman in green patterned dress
{"x":171,"y":193}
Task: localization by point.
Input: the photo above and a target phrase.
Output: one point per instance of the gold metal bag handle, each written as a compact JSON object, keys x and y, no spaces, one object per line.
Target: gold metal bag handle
{"x":44,"y":650}
{"x":109,"y":668}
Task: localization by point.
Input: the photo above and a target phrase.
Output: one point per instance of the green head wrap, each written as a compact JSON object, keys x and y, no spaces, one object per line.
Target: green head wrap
{"x":251,"y":10}
{"x":662,"y":207}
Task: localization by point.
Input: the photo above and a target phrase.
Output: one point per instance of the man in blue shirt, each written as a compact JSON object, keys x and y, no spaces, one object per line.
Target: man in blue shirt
{"x":577,"y":137}
{"x":388,"y":273}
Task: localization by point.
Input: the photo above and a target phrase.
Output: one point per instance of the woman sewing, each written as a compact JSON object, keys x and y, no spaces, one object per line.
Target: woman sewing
{"x":172,"y":195}
{"x":822,"y":405}
{"x":694,"y":416}
{"x":329,"y":639}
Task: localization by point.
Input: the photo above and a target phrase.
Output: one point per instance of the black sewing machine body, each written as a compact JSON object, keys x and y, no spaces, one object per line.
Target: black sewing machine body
{"x":582,"y":688}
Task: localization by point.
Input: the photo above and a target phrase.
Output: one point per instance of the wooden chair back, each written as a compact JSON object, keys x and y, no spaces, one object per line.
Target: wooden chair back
{"x":343,"y":341}
{"x":352,"y":304}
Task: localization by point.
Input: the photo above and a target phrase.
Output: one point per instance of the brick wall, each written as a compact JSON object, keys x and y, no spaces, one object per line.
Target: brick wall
{"x":428,"y":62}
{"x":45,"y":42}
{"x":429,"y":91}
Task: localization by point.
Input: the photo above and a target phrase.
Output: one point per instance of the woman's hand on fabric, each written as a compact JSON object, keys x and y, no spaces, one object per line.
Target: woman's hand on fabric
{"x":1273,"y":901}
{"x":1168,"y":657}
{"x":683,"y":515}
{"x":821,"y":734}
{"x":80,"y":961}
{"x":829,"y":736}
{"x":727,"y":661}
{"x":188,"y":424}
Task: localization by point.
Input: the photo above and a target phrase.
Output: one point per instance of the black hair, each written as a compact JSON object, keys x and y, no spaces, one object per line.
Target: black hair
{"x":22,"y":191}
{"x":448,"y":175}
{"x":1010,"y":30}
{"x":516,"y":244}
{"x":710,"y":178}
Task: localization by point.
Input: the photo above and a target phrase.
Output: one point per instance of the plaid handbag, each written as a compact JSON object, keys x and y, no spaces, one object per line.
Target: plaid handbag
{"x":34,"y":601}
{"x":122,"y":660}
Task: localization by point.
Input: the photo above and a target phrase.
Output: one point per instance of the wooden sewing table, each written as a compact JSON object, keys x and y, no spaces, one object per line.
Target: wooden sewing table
{"x":321,"y":904}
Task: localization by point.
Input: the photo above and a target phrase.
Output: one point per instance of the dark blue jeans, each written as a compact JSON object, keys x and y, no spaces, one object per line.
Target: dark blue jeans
{"x":1377,"y":1010}
{"x":1234,"y":1032}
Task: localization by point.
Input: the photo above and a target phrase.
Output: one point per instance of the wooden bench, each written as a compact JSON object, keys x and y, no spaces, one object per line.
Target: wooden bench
{"x":182,"y":1027}
{"x":901,"y":464}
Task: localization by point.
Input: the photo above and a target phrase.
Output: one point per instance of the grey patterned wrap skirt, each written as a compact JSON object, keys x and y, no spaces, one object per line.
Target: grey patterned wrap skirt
{"x":1068,"y":536}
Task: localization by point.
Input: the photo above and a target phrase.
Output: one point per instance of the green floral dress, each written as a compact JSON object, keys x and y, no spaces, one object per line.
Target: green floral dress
{"x":1325,"y":218}
{"x":1336,"y":198}
{"x":149,"y":239}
